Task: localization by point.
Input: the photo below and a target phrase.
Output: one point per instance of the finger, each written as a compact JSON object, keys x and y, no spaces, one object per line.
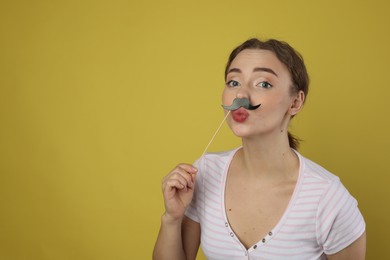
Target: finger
{"x":181,"y":172}
{"x":187,"y":171}
{"x":188,"y":167}
{"x":182,"y":177}
{"x":173,"y":185}
{"x":192,"y":173}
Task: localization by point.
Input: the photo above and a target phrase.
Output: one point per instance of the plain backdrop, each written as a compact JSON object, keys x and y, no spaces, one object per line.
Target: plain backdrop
{"x":100,"y":99}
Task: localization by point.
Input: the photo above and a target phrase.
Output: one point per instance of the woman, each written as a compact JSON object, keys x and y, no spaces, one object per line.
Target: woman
{"x":262,"y":200}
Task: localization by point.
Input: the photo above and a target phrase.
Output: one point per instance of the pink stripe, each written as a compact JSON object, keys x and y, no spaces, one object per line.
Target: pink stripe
{"x":292,"y":239}
{"x":214,"y":231}
{"x":315,"y":182}
{"x":211,"y":179}
{"x":281,"y":247}
{"x":331,"y":210}
{"x":299,"y":218}
{"x":209,"y":215}
{"x":298,"y":225}
{"x":214,"y":206}
{"x":309,"y":196}
{"x":352,"y":225}
{"x":300,"y":253}
{"x":308,"y":203}
{"x":312,"y":189}
{"x":208,"y":192}
{"x":304,"y":210}
{"x":298,"y":232}
{"x":348,"y":238}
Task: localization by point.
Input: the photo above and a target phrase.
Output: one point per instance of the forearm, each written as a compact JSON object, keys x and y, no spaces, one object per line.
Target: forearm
{"x":169,"y":244}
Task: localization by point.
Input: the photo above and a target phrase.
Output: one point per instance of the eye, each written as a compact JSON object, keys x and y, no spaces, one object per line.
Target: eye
{"x":264,"y":84}
{"x":232,"y":83}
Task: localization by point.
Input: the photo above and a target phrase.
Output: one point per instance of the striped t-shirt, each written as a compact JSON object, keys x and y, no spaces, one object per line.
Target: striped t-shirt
{"x":321,"y":217}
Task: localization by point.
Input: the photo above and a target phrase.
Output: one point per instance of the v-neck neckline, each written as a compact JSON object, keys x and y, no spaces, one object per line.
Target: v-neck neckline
{"x":274,"y":231}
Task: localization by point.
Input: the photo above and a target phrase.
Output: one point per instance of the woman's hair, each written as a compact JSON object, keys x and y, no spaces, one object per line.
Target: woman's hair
{"x":289,"y":57}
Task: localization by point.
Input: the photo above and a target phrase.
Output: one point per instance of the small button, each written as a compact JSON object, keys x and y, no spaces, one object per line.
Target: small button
{"x":246,"y":253}
{"x":226,"y":224}
{"x":270,"y":233}
{"x":263,"y":240}
{"x":231,"y":234}
{"x":255,"y":246}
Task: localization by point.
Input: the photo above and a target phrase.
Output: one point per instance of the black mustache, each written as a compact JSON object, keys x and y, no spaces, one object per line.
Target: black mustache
{"x":241,"y":102}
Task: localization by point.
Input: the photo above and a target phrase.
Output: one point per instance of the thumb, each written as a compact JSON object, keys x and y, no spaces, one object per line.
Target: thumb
{"x":194,"y":174}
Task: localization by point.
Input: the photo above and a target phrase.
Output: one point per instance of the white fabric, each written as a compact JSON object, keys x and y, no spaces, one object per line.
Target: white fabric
{"x":321,"y":218}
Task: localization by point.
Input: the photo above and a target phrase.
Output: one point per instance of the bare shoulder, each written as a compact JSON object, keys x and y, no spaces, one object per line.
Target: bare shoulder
{"x":355,"y":251}
{"x":191,"y":237}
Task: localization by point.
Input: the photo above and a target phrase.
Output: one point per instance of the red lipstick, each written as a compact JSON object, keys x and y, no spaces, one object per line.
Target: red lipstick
{"x":240,"y":115}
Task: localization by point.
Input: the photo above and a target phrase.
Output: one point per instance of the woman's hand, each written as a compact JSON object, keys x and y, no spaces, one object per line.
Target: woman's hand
{"x":178,"y":189}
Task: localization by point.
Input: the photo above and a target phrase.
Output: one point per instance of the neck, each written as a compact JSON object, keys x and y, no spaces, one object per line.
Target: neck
{"x":268,"y":158}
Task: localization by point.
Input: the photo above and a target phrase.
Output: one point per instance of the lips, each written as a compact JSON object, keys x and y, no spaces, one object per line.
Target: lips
{"x":240,"y":115}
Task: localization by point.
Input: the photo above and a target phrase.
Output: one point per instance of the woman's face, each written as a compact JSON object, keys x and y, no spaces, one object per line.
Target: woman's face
{"x":259,"y":76}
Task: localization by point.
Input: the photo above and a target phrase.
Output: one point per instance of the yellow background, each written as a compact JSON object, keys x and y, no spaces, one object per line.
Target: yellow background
{"x":100,"y":99}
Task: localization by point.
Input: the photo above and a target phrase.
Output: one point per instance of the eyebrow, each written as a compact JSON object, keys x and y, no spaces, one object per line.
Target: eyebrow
{"x":254,"y":70}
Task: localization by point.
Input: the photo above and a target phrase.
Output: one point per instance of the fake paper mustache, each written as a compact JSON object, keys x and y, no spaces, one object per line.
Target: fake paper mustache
{"x":241,"y":102}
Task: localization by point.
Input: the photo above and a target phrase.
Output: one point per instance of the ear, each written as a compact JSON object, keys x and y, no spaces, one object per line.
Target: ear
{"x":297,"y":103}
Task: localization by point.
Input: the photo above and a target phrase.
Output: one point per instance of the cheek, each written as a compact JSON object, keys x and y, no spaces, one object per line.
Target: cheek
{"x":275,"y":103}
{"x":272,"y":100}
{"x":227,"y":97}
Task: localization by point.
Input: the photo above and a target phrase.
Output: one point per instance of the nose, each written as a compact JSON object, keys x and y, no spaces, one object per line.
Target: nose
{"x":242,"y":93}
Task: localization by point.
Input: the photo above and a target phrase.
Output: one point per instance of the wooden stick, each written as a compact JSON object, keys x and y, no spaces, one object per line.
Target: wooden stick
{"x":219,"y":127}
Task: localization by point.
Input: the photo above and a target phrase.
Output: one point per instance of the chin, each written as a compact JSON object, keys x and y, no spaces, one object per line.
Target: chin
{"x":242,"y":131}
